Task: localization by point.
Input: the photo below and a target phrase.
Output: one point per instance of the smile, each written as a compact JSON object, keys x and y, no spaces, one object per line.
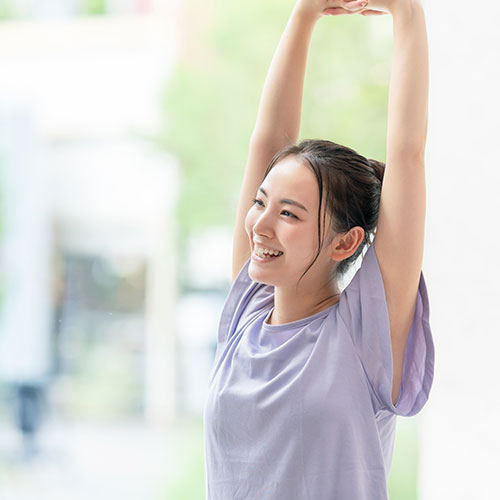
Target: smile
{"x":266,"y":253}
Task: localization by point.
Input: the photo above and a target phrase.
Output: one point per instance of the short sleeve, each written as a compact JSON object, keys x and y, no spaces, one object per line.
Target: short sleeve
{"x":363,"y":308}
{"x":245,"y":300}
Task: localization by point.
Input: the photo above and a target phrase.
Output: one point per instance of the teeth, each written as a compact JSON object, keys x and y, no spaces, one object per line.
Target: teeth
{"x":261,"y":252}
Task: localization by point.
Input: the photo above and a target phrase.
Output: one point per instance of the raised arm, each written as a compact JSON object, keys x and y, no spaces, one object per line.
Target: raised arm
{"x":409,"y":84}
{"x":399,"y":239}
{"x":278,"y":117}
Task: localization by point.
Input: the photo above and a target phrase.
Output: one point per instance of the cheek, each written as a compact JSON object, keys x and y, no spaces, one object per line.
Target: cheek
{"x":308,"y":241}
{"x":300,"y":242}
{"x":249,"y":222}
{"x":307,"y":247}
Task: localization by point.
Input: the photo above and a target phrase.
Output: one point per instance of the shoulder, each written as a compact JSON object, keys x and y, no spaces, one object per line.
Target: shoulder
{"x":244,"y":299}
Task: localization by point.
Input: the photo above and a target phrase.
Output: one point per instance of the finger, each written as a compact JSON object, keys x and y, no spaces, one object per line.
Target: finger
{"x":337,"y":11}
{"x":369,"y":12}
{"x":354,"y":4}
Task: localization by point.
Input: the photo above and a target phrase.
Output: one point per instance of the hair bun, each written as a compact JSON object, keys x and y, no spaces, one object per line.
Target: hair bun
{"x":378,"y":169}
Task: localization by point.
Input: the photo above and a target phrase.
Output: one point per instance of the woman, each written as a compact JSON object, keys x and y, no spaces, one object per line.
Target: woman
{"x":308,"y":381}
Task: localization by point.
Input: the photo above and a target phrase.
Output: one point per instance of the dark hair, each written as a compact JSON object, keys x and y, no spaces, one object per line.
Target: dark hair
{"x":352,"y":185}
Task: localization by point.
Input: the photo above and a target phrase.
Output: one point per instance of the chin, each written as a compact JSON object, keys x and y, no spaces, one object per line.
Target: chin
{"x":260,"y":276}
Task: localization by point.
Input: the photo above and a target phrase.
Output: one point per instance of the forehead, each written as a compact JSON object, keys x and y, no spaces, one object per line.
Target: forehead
{"x":293,"y":179}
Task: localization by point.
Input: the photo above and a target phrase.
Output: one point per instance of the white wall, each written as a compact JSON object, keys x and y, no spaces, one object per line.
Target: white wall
{"x":460,"y":451}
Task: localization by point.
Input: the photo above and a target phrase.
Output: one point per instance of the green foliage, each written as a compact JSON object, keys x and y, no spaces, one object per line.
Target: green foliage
{"x":186,"y":474}
{"x":403,"y":476}
{"x":92,"y":7}
{"x":345,"y":95}
{"x":105,"y":385}
{"x":211,"y":106}
{"x":7,"y":10}
{"x":211,"y":103}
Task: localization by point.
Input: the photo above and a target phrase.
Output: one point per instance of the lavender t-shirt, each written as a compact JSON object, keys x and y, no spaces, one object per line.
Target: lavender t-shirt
{"x":303,"y":410}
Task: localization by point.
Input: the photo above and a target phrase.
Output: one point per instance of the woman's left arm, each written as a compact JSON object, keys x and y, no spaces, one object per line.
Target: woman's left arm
{"x":399,"y":239}
{"x":409,"y":84}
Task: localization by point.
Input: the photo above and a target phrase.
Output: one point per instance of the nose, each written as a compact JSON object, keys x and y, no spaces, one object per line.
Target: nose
{"x":263,"y":225}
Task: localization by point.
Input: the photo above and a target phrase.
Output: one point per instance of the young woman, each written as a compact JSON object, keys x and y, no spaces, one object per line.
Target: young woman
{"x":307,"y":380}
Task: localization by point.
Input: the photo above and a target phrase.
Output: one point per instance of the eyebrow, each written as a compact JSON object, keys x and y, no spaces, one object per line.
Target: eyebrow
{"x":286,"y":201}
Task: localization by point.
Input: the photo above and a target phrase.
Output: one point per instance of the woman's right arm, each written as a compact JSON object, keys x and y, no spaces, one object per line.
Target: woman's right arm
{"x":278,"y":118}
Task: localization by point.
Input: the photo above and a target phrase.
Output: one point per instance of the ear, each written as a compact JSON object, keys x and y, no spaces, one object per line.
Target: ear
{"x":345,"y":244}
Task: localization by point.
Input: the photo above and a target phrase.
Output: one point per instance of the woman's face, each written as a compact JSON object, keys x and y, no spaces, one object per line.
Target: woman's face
{"x":285,"y":218}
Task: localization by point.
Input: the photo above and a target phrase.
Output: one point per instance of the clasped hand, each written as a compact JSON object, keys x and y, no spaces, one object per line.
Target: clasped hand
{"x":344,"y":7}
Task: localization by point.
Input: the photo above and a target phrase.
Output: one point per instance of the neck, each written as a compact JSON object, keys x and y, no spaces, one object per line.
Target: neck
{"x":290,"y":306}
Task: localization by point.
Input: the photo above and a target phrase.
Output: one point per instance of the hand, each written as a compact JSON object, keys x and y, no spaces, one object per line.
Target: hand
{"x":375,"y":7}
{"x":319,"y":8}
{"x":365,"y":8}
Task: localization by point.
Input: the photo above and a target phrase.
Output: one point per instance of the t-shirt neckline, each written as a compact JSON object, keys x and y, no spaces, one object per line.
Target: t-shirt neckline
{"x":297,"y":323}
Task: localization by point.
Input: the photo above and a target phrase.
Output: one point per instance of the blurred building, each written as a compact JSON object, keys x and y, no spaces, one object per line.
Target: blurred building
{"x":106,"y":322}
{"x":206,"y":278}
{"x":88,"y":225}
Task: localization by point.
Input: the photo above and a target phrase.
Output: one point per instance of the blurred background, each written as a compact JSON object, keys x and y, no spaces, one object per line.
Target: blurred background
{"x":124,"y":129}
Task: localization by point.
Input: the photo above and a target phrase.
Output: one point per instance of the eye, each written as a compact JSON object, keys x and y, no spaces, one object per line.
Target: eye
{"x":256,"y":201}
{"x":291,"y":215}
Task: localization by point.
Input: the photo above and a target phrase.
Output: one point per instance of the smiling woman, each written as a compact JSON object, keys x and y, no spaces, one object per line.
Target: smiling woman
{"x":348,"y":191}
{"x":270,"y":225}
{"x":308,"y":380}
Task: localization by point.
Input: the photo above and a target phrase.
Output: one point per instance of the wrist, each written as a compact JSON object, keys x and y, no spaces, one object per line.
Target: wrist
{"x":404,"y":10}
{"x":305,"y":15}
